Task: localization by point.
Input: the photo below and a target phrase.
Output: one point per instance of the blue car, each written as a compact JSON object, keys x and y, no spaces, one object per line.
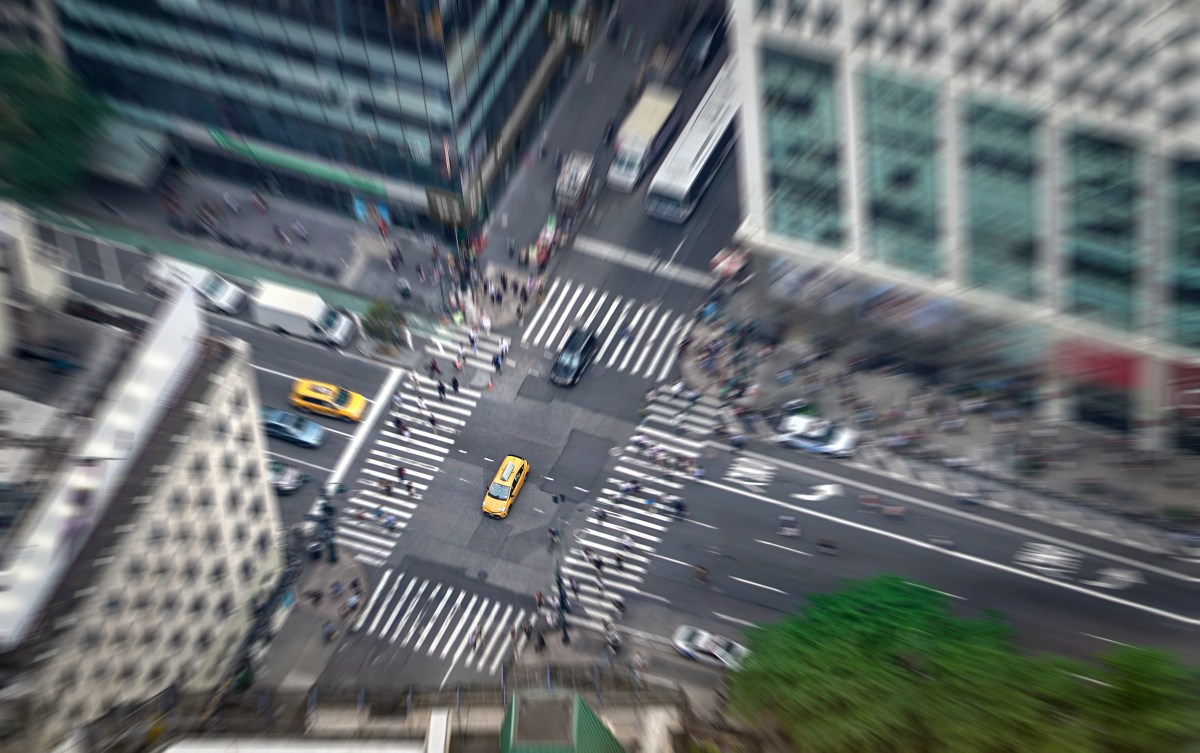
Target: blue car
{"x":292,"y":428}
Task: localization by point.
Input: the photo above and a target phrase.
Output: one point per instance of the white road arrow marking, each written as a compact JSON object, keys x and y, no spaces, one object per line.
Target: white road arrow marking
{"x":1115,"y":578}
{"x":823,"y":492}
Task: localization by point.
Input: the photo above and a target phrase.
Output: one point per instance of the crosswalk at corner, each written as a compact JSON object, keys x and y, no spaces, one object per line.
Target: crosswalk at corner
{"x":374,"y":519}
{"x":450,"y":341}
{"x":629,"y":528}
{"x":635,"y":338}
{"x":451,"y":624}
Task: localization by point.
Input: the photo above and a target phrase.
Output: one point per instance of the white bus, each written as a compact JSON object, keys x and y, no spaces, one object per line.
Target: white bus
{"x":643,"y":135}
{"x":697,"y":155}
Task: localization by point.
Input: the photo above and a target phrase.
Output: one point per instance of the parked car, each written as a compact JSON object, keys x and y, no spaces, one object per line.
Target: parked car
{"x":707,"y":648}
{"x":292,"y":428}
{"x":286,"y":479}
{"x":574,"y":357}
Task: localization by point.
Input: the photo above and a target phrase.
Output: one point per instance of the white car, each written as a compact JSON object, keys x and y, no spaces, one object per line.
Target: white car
{"x":699,"y":645}
{"x":217,"y":293}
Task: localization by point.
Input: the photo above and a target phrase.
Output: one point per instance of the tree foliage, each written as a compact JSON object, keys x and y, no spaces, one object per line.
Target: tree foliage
{"x":884,"y":666}
{"x":385,"y":322}
{"x":47,"y":124}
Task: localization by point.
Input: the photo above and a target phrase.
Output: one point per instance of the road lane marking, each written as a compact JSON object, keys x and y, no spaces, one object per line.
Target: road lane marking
{"x":757,"y":585}
{"x":291,"y":459}
{"x":734,"y":620}
{"x":943,"y":593}
{"x":781,"y":546}
{"x":1107,"y":640}
{"x":955,"y":554}
{"x":364,"y":430}
{"x":949,"y":510}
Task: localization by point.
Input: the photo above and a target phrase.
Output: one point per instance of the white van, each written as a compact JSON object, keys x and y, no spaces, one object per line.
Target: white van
{"x":217,"y":293}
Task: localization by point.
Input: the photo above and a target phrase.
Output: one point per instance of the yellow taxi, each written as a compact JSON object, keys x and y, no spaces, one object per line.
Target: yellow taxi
{"x":327,"y":400}
{"x":505,"y":486}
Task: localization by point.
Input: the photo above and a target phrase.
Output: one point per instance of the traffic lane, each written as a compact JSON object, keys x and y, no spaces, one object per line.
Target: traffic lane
{"x":273,"y":392}
{"x":888,"y":540}
{"x":621,"y":219}
{"x":818,"y":471}
{"x":303,"y":359}
{"x":1048,"y":616}
{"x":110,"y":294}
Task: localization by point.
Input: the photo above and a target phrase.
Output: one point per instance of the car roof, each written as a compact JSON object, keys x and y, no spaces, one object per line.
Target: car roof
{"x":310,"y":387}
{"x":578,"y":337}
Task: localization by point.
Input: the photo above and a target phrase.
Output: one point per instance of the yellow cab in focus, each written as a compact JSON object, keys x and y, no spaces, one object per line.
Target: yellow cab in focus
{"x":505,"y":486}
{"x":327,"y":400}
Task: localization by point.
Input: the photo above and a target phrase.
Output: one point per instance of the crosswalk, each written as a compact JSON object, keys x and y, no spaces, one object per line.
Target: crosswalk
{"x":636,"y":338}
{"x":448,"y":342}
{"x":448,"y":623}
{"x":375,"y":518}
{"x":629,"y":527}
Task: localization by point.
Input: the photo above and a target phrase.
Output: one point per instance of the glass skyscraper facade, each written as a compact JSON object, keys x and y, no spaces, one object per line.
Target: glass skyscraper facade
{"x":328,"y":100}
{"x":1029,"y":159}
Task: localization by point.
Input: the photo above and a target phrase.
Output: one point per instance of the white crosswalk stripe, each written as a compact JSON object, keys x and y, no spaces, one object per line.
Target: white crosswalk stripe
{"x":380,"y":505}
{"x":450,"y":342}
{"x":441,"y":621}
{"x":641,"y":339}
{"x":630,"y":528}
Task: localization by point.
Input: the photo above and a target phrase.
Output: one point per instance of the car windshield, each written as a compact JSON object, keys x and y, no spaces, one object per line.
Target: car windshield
{"x":627,"y":159}
{"x":498,"y":491}
{"x":330,"y":320}
{"x":212,"y":285}
{"x":296,"y":423}
{"x":569,"y":360}
{"x":343,"y":398}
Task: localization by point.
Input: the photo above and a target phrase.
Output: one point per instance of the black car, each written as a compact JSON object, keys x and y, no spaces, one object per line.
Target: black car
{"x":574,"y":357}
{"x":705,"y":41}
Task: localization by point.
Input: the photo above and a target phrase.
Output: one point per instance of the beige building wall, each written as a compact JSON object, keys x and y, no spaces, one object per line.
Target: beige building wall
{"x":177,"y":591}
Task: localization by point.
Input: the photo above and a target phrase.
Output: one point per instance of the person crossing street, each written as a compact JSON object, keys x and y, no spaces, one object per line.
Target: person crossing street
{"x":442,"y":391}
{"x":454,"y":385}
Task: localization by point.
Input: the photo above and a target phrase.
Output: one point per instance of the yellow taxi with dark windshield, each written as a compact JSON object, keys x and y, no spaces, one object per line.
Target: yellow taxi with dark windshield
{"x":327,"y":400}
{"x":505,"y":486}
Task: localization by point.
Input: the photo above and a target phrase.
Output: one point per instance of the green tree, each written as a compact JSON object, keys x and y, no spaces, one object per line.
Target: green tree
{"x":884,"y":666}
{"x":47,"y":124}
{"x":385,"y":322}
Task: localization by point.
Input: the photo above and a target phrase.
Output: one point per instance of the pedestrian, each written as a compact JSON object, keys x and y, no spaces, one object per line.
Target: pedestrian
{"x":600,"y":514}
{"x":379,"y":513}
{"x":619,"y":605}
{"x":397,"y":401}
{"x":587,"y":552}
{"x":512,"y":635}
{"x":504,"y":348}
{"x":474,"y":641}
{"x":454,"y":385}
{"x":386,"y":487}
{"x":433,"y":421}
{"x":520,"y":316}
{"x":390,"y":522}
{"x":620,"y":560}
{"x":527,"y":627}
{"x":496,"y":361}
{"x":575,"y":587}
{"x":411,"y":489}
{"x":441,"y":391}
{"x":434,"y":368}
{"x":539,"y":599}
{"x":474,"y":340}
{"x":627,"y":542}
{"x":399,"y":423}
{"x":336,"y":588}
{"x":599,"y":563}
{"x":462,"y":352}
{"x":541,"y":641}
{"x":400,"y":473}
{"x":599,"y":584}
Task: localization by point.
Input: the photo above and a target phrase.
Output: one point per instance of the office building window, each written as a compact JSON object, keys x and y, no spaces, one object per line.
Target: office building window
{"x":1002,"y":214}
{"x":802,"y":148}
{"x":903,"y":162}
{"x":1100,"y":182}
{"x":1184,"y":252}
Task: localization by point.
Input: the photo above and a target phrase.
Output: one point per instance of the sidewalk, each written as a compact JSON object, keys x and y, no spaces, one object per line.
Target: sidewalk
{"x":299,"y":652}
{"x":993,"y":439}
